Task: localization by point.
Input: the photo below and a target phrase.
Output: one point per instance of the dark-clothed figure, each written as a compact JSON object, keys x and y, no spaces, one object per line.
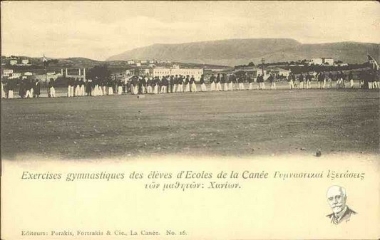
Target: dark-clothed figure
{"x":218,"y":85}
{"x":36,"y":89}
{"x":291,"y":80}
{"x":193,"y":87}
{"x":11,"y":85}
{"x":180,"y":84}
{"x":187,"y":84}
{"x":22,"y":90}
{"x":29,"y":88}
{"x":149,"y":88}
{"x":212,"y":83}
{"x":202,"y":82}
{"x":320,"y":78}
{"x":301,"y":79}
{"x":250,"y":82}
{"x":171,"y":83}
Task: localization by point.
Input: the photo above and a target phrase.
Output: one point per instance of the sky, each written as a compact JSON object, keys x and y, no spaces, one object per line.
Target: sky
{"x":98,"y":30}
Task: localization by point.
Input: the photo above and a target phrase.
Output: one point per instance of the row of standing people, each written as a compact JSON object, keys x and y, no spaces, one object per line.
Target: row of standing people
{"x":93,"y":87}
{"x":179,"y":83}
{"x":327,"y":80}
{"x":173,"y":84}
{"x":156,"y":85}
{"x":28,"y":88}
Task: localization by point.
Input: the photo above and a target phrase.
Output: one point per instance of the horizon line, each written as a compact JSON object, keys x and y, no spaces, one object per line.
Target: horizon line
{"x":203,"y":41}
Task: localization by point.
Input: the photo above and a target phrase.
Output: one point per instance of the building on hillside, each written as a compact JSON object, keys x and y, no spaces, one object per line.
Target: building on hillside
{"x":13,"y":62}
{"x":138,"y":72}
{"x":219,"y":70}
{"x":130,"y":72}
{"x":118,"y":75}
{"x":321,"y":61}
{"x":250,"y":70}
{"x":42,"y":77}
{"x":15,"y":75}
{"x":131,"y":62}
{"x":28,"y":74}
{"x":57,"y":72}
{"x":6,"y":72}
{"x":145,"y":71}
{"x":316,"y":61}
{"x":79,"y":73}
{"x":25,"y":61}
{"x":161,"y":72}
{"x":328,"y":61}
{"x":45,"y":77}
{"x":255,"y":71}
{"x":278,"y":71}
{"x":308,"y":62}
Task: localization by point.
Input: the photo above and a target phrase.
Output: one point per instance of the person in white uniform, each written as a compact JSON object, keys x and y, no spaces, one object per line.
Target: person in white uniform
{"x":218,"y":85}
{"x":291,"y":79}
{"x":212,"y":83}
{"x":51,"y":88}
{"x":223,"y":80}
{"x":187,"y":84}
{"x":250,"y":82}
{"x":193,"y":87}
{"x":180,"y":84}
{"x":3,"y":95}
{"x":203,"y":85}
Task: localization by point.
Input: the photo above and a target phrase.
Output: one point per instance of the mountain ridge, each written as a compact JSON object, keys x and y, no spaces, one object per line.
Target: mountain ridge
{"x":241,"y":51}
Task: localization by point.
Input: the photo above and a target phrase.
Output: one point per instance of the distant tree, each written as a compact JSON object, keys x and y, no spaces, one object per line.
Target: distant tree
{"x":251,"y":64}
{"x":99,"y":71}
{"x":54,"y":61}
{"x":60,"y":81}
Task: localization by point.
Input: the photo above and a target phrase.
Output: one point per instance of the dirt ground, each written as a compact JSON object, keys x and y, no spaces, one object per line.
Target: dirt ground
{"x":239,"y":123}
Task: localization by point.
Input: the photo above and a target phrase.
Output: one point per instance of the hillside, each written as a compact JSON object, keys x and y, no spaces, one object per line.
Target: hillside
{"x":349,"y":52}
{"x":222,"y":52}
{"x":241,"y":51}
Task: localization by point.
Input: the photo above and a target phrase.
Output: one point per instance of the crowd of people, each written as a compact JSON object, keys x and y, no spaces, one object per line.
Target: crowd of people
{"x":367,"y":79}
{"x":29,"y":88}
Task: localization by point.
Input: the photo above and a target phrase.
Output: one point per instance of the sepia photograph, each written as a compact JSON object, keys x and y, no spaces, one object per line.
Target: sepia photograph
{"x":219,"y":78}
{"x":190,"y":103}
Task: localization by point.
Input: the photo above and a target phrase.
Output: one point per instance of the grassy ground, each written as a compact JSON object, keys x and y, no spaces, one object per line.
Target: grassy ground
{"x":213,"y":123}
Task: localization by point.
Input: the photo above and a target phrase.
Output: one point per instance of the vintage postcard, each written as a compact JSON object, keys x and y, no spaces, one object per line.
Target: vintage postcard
{"x":190,"y":120}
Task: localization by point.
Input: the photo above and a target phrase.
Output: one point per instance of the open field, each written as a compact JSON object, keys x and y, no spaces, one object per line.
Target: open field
{"x":235,"y":123}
